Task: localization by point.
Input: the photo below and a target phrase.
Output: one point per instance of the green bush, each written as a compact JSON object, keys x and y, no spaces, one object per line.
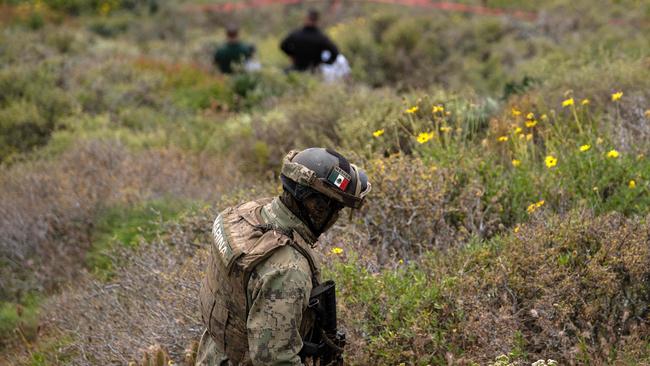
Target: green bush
{"x":109,"y":27}
{"x":571,"y":288}
{"x":406,"y":316}
{"x":420,"y":50}
{"x":590,"y":290}
{"x":19,"y":317}
{"x":31,"y":107}
{"x":22,"y":128}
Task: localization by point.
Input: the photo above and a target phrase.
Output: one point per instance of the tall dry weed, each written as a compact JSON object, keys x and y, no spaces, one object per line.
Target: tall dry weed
{"x":49,"y":207}
{"x":151,"y":300}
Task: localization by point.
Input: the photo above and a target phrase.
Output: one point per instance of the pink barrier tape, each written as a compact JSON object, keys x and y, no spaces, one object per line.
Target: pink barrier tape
{"x":440,"y":5}
{"x":461,"y":8}
{"x":430,"y":4}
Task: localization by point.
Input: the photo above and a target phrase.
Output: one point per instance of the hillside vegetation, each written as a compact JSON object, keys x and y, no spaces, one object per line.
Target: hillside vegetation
{"x":509,"y":220}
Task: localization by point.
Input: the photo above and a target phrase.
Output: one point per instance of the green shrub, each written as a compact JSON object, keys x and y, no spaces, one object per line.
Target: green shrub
{"x":570,"y":288}
{"x":19,"y":317}
{"x":590,"y":286}
{"x":401,"y":315}
{"x":22,"y":127}
{"x":31,"y":107}
{"x":128,"y":227}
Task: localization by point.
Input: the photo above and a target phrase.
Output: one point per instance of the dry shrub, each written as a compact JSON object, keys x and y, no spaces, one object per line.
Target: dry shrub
{"x":415,"y":207}
{"x":48,"y":208}
{"x":151,"y":300}
{"x":575,"y":288}
{"x":301,"y":122}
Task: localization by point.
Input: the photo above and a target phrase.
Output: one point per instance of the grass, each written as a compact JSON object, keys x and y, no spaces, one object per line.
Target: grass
{"x":126,"y":227}
{"x":20,"y":319}
{"x":48,"y":352}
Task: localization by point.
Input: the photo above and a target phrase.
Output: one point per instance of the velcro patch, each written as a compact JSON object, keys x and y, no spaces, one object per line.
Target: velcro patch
{"x":339,"y":178}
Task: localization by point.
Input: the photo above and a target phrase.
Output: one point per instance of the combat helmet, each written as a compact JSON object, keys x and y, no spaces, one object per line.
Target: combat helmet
{"x":327,"y":172}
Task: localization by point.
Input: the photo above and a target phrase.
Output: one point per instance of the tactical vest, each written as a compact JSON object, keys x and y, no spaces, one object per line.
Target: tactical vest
{"x":241,"y":241}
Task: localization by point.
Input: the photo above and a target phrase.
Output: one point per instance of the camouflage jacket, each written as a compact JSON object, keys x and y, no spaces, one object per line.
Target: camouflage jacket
{"x":256,"y":290}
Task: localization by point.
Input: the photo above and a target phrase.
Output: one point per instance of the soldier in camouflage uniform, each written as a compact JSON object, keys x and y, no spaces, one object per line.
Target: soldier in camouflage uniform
{"x":255,"y":294}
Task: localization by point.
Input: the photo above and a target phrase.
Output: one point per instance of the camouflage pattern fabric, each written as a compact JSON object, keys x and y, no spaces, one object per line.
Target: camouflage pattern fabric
{"x":278,"y":294}
{"x":279,"y":290}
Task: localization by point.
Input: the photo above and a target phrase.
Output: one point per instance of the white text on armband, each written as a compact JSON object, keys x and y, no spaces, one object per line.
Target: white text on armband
{"x":219,"y":239}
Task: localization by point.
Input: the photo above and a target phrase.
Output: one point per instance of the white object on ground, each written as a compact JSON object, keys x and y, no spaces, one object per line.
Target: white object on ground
{"x":336,"y":71}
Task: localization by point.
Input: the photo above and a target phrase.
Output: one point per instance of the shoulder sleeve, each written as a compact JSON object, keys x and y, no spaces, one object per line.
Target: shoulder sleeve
{"x":279,"y":293}
{"x":288,"y":45}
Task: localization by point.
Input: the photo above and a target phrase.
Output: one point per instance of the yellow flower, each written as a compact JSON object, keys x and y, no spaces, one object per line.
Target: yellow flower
{"x":530,"y":115}
{"x":515,"y":112}
{"x":567,"y":102}
{"x":437,"y":108}
{"x":445,"y":129}
{"x":585,"y":147}
{"x":544,"y":117}
{"x":517,"y":228}
{"x":378,"y":133}
{"x":104,"y":9}
{"x":516,"y":162}
{"x":502,"y":138}
{"x":424,"y":137}
{"x":632,"y":184}
{"x":613,"y":154}
{"x":530,"y":208}
{"x":531,"y":123}
{"x":336,"y":250}
{"x":534,"y":206}
{"x":517,"y":130}
{"x":617,"y":96}
{"x":550,"y":161}
{"x":529,"y":136}
{"x":584,"y":101}
{"x":412,"y":110}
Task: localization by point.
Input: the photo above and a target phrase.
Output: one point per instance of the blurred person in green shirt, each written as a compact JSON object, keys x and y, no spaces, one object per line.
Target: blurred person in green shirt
{"x":233,"y":52}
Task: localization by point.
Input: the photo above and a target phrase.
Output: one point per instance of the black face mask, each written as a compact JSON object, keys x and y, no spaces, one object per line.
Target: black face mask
{"x":322,"y":211}
{"x":316,"y":210}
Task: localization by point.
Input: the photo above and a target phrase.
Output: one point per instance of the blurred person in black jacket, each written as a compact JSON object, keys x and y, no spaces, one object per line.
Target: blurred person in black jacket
{"x":308,"y":46}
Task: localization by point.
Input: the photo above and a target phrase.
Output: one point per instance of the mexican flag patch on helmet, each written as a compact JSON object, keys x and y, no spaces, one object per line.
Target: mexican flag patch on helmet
{"x":339,"y":178}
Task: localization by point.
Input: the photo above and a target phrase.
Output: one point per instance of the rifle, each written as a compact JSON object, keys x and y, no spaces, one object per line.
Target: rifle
{"x":325,"y":342}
